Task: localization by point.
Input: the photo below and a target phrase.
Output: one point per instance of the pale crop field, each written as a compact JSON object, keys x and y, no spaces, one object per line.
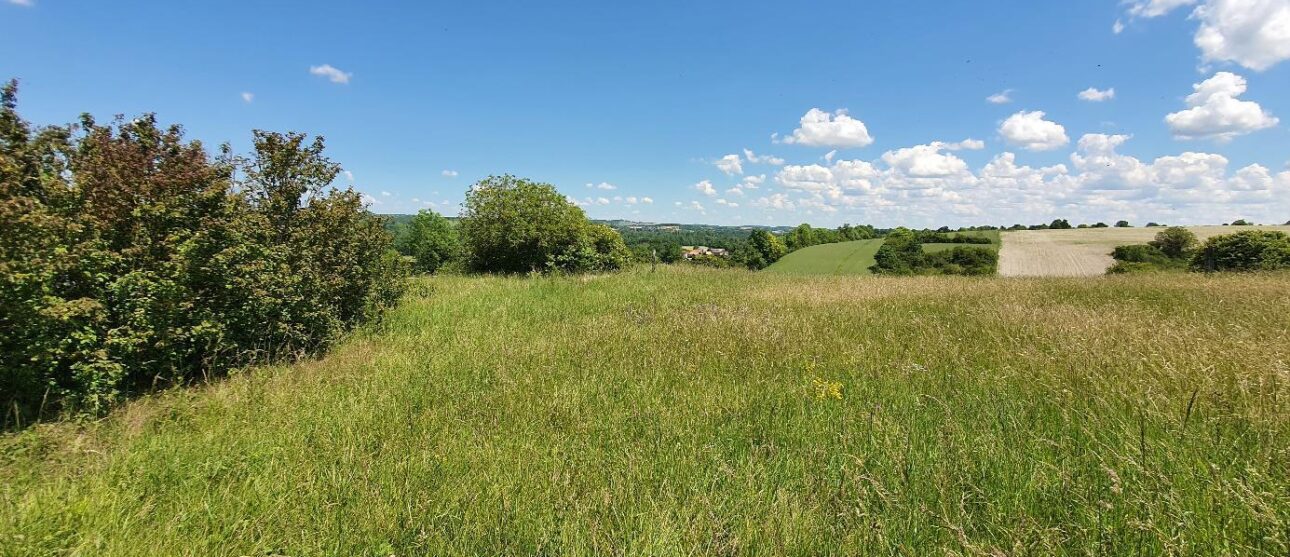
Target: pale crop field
{"x":696,"y":411}
{"x":1082,"y":251}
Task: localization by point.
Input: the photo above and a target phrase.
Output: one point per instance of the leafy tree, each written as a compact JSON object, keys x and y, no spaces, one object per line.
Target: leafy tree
{"x":1175,"y":242}
{"x":800,"y":237}
{"x":431,"y":240}
{"x":1122,"y":224}
{"x":1241,"y":222}
{"x":900,"y":254}
{"x":764,"y":249}
{"x":515,"y":225}
{"x":129,"y":258}
{"x":1060,"y":224}
{"x":1248,"y":250}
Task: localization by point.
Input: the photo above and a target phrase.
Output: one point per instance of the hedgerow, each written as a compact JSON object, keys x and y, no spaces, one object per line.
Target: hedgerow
{"x":130,"y":259}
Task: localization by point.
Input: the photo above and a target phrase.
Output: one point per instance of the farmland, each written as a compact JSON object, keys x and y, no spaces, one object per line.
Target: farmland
{"x":852,"y":258}
{"x":841,"y":259}
{"x":1084,"y":251}
{"x":703,"y":411}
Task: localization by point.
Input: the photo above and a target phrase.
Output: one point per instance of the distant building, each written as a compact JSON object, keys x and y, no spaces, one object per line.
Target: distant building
{"x":690,"y":252}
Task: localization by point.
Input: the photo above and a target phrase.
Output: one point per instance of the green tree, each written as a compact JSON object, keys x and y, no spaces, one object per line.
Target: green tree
{"x":1122,"y":224}
{"x":800,"y":237}
{"x":1059,"y":224}
{"x":901,"y":254}
{"x":1248,"y":250}
{"x":431,"y":240}
{"x":515,"y":225}
{"x":764,"y":249}
{"x":1176,"y":242}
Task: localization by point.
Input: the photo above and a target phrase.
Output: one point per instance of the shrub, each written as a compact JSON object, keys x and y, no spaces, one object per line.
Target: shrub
{"x":431,"y":240}
{"x":514,"y":225}
{"x":900,"y":254}
{"x":1248,"y":250}
{"x":130,"y":259}
{"x":1122,"y":224}
{"x":963,"y":260}
{"x":1175,"y":242}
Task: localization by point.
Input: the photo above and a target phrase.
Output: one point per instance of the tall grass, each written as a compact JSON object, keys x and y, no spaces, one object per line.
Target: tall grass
{"x":695,"y":411}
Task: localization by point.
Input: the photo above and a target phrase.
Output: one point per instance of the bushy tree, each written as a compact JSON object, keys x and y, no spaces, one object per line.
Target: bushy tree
{"x":514,"y":225}
{"x":1176,"y":242}
{"x":1248,"y":250}
{"x":1060,"y":224}
{"x":1122,"y":224}
{"x":130,"y":259}
{"x":431,"y":240}
{"x":764,"y":249}
{"x":900,"y":254}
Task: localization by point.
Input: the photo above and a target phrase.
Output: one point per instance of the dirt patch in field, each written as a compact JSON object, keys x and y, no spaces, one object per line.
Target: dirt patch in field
{"x":1082,"y":252}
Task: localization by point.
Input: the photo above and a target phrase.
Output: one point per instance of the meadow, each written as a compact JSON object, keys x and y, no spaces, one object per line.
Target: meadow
{"x":692,"y":411}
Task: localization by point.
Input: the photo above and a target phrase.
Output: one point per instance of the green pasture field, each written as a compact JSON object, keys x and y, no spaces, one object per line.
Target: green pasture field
{"x":694,"y":411}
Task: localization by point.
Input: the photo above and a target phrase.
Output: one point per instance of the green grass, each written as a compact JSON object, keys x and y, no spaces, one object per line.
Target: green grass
{"x":854,"y":258}
{"x":693,"y":412}
{"x":841,"y":259}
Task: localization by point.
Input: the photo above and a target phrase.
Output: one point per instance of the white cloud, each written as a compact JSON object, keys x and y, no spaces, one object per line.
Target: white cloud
{"x":1118,"y":27}
{"x":647,"y":201}
{"x":1030,"y":131}
{"x":1093,"y":94}
{"x":1155,"y":8}
{"x":602,"y":201}
{"x":698,"y":207}
{"x":449,"y":173}
{"x":727,"y":203}
{"x":706,"y":188}
{"x":925,"y":161}
{"x":775,"y":201}
{"x":23,"y":3}
{"x":821,"y":129}
{"x":603,"y":186}
{"x":752,"y":182}
{"x":1252,"y":33}
{"x":349,"y":176}
{"x":730,"y":165}
{"x":385,"y":194}
{"x":331,"y":73}
{"x":763,"y":159}
{"x":1002,"y":97}
{"x":248,"y":97}
{"x":1215,"y":111}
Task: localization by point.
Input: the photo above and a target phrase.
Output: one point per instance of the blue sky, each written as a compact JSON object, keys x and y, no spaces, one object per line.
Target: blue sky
{"x":862,"y":112}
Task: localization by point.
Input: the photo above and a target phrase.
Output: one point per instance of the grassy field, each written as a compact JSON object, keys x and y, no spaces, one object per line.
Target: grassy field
{"x":852,"y":258}
{"x":1083,"y":251}
{"x":840,"y":259}
{"x":711,"y":412}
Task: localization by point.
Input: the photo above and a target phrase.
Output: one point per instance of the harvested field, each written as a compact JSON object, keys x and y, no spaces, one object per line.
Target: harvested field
{"x":1083,"y":251}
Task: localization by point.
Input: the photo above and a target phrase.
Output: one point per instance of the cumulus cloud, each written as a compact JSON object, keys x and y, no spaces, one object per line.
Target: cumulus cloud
{"x":1252,"y":33}
{"x":1002,"y":97}
{"x":603,"y":186}
{"x":348,"y":176}
{"x":763,"y":159}
{"x":647,"y":201}
{"x":1215,"y":111}
{"x":822,"y":129}
{"x":449,"y":173}
{"x":1095,"y":95}
{"x":386,"y":194}
{"x":730,"y":165}
{"x":705,"y":187}
{"x":332,"y":74}
{"x":23,"y":3}
{"x":248,"y":97}
{"x":1030,"y":131}
{"x":925,"y":161}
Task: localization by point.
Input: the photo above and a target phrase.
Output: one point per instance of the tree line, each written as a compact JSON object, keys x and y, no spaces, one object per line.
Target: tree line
{"x":1177,"y":249}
